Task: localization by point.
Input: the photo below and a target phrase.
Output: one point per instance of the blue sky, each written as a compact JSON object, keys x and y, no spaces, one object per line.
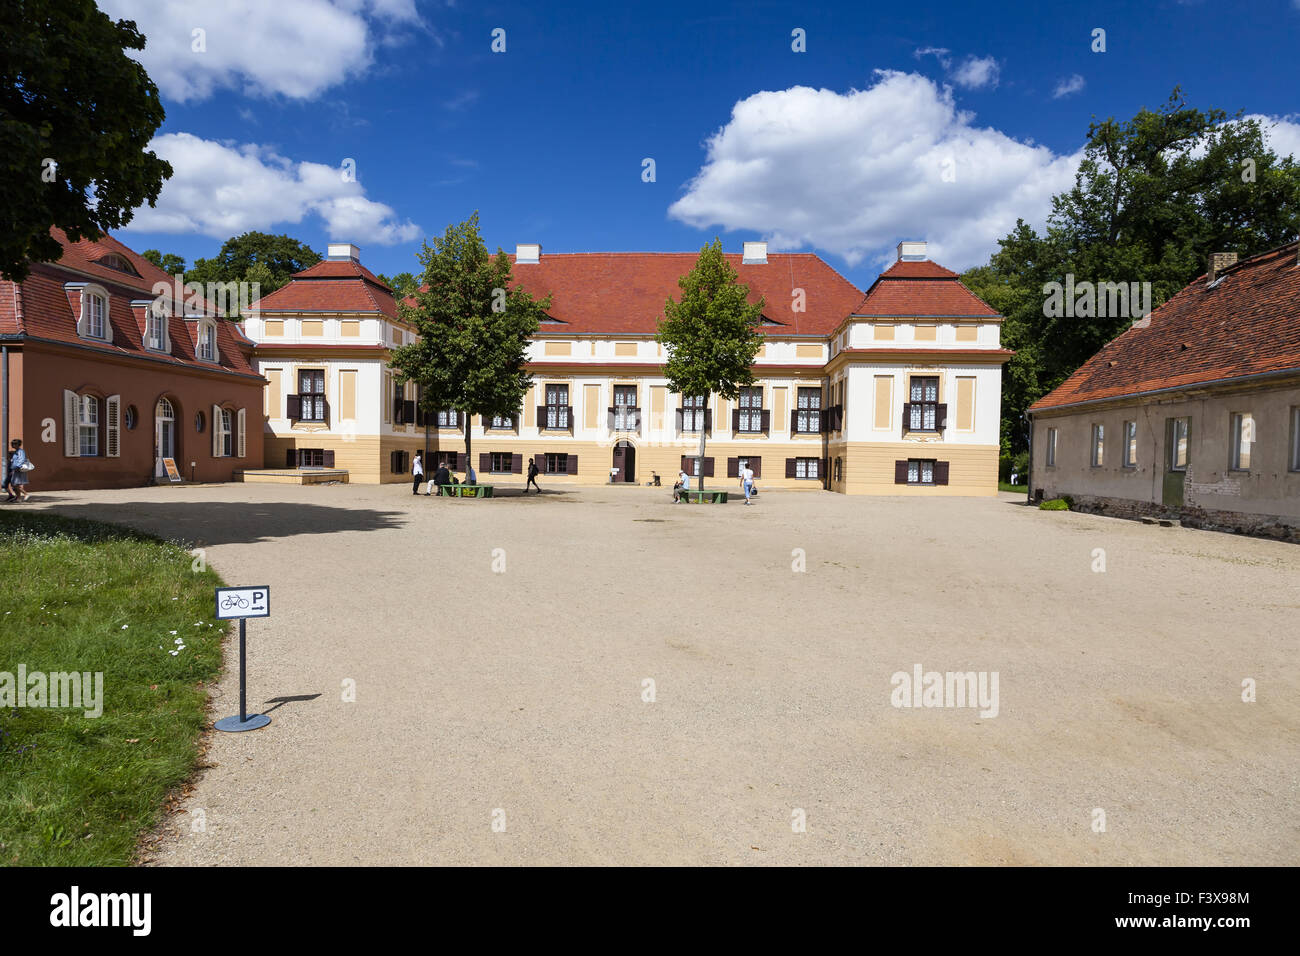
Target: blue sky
{"x":943,"y":121}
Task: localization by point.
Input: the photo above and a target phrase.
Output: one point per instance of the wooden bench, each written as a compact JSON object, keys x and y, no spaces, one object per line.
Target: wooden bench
{"x":466,"y":491}
{"x":707,"y":496}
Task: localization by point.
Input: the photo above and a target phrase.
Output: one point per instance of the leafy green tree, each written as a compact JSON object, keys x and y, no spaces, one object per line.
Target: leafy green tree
{"x":1153,"y":197}
{"x":403,"y":284}
{"x":76,"y":114}
{"x":169,"y":263}
{"x":474,"y":329}
{"x":711,"y":335}
{"x":280,"y":256}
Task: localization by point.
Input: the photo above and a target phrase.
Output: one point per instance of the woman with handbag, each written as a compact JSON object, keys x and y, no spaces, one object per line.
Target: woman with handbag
{"x":19,"y":466}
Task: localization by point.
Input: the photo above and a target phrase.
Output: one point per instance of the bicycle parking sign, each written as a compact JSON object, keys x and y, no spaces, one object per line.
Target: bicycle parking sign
{"x":243,"y":602}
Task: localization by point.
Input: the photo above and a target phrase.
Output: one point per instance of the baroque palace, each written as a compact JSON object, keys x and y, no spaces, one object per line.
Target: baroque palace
{"x":893,"y":391}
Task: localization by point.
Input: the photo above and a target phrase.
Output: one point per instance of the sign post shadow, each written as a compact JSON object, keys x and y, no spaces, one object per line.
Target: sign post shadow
{"x":243,"y":603}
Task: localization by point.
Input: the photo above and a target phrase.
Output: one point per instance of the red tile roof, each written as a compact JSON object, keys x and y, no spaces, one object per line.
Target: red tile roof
{"x":47,"y":312}
{"x":332,"y":285}
{"x":623,"y":293}
{"x":1248,"y":324}
{"x":920,"y":290}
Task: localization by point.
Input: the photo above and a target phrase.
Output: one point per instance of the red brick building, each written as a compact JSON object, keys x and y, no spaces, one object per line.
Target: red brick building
{"x":103,"y":377}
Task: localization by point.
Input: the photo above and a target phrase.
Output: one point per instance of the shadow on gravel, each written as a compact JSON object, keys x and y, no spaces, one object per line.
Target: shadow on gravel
{"x":206,"y":523}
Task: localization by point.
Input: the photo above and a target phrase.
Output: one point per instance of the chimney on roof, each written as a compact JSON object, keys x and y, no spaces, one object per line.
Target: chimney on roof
{"x":342,"y":251}
{"x":528,"y":253}
{"x":911,"y":251}
{"x":755,"y":254}
{"x":1218,"y":262}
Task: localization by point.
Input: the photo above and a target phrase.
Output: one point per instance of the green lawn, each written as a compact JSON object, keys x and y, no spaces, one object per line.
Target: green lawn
{"x":1018,"y":489}
{"x":85,"y":596}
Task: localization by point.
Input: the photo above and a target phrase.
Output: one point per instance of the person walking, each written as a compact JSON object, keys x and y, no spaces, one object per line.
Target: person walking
{"x":440,"y":477}
{"x":747,"y":481}
{"x":471,"y":476}
{"x":9,"y":476}
{"x":417,"y":473}
{"x":532,"y":477}
{"x":19,"y":465}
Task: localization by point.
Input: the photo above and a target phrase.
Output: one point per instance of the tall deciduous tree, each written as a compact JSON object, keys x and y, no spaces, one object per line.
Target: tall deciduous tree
{"x":76,"y":114}
{"x":474,"y":328}
{"x":402,"y":284}
{"x":1153,"y":198}
{"x":711,"y":335}
{"x":255,"y":257}
{"x":168,"y":262}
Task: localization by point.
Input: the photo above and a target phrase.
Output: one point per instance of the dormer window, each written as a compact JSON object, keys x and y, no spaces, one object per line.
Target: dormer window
{"x":206,"y":348}
{"x":116,"y":263}
{"x":156,"y":337}
{"x":93,"y":321}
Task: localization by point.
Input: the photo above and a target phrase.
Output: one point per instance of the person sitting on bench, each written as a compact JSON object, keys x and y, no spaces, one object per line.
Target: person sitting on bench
{"x":440,"y":477}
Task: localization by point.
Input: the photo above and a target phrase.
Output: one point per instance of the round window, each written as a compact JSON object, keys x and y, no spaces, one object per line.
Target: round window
{"x":132,"y":417}
{"x":199,"y":421}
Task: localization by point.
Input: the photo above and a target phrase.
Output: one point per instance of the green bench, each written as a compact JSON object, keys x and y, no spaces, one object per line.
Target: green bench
{"x":707,"y":496}
{"x":466,"y":491}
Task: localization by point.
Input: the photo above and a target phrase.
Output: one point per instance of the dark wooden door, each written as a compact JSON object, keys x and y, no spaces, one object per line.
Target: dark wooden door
{"x":629,"y":464}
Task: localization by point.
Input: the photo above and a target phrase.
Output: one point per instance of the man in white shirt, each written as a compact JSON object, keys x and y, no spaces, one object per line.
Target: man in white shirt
{"x":417,"y":472}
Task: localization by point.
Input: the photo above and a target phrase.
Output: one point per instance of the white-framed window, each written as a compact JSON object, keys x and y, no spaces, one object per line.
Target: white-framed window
{"x":693,"y":413}
{"x":156,"y":337}
{"x":920,"y":471}
{"x":1098,"y":445}
{"x":807,"y":467}
{"x":503,"y":421}
{"x":96,"y":314}
{"x":225,"y":434}
{"x":1295,"y":438}
{"x":206,"y":346}
{"x":749,"y":406}
{"x":1243,"y":440}
{"x":557,"y":406}
{"x":88,"y":426}
{"x":1130,"y":444}
{"x":1051,"y":447}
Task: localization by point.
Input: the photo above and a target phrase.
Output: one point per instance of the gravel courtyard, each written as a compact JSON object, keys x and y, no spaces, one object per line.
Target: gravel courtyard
{"x":515,"y":695}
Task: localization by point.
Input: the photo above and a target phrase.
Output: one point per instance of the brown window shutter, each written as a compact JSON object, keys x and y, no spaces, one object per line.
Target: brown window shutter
{"x":794,"y":420}
{"x":941,"y":416}
{"x":293,"y":409}
{"x":636,"y":419}
{"x":708,"y":419}
{"x":610,"y":426}
{"x":460,"y":461}
{"x":516,"y":464}
{"x":541,"y":417}
{"x":766,"y":419}
{"x":941,"y":472}
{"x":756,"y":466}
{"x":685,"y":464}
{"x":328,"y":458}
{"x":824,"y":421}
{"x":907,"y":415}
{"x":291,"y":458}
{"x":900,"y":471}
{"x":568,"y":414}
{"x":408,"y":412}
{"x":789,"y":467}
{"x":735,"y":419}
{"x":733,"y":467}
{"x":327,"y":410}
{"x":708,"y":468}
{"x":484,"y":463}
{"x":571,"y":464}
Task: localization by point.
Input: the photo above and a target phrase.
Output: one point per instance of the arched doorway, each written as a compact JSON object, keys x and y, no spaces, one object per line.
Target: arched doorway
{"x":625,"y":461}
{"x":164,"y":434}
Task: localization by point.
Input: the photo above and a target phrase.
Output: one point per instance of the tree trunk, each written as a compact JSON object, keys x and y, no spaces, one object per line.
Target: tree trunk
{"x":699,"y":459}
{"x":468,"y":459}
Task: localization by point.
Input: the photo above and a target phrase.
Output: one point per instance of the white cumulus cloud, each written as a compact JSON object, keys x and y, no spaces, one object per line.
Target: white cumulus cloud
{"x":977,"y":72}
{"x":294,"y":48}
{"x":853,"y":173}
{"x":1281,"y":133}
{"x":221,"y":190}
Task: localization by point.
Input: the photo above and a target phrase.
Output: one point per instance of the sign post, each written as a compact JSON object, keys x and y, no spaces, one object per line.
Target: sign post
{"x":243,"y":603}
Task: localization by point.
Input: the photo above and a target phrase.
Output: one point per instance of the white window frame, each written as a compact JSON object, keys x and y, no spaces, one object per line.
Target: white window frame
{"x":1130,"y":444}
{"x":224,"y":425}
{"x":1052,"y":435}
{"x":205,"y":334}
{"x":803,"y":465}
{"x":1098,"y":445}
{"x":87,"y":426}
{"x":1173,"y":444}
{"x":90,"y":295}
{"x":157,"y":315}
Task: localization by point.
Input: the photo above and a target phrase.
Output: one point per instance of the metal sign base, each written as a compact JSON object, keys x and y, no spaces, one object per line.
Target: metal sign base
{"x":234,"y":725}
